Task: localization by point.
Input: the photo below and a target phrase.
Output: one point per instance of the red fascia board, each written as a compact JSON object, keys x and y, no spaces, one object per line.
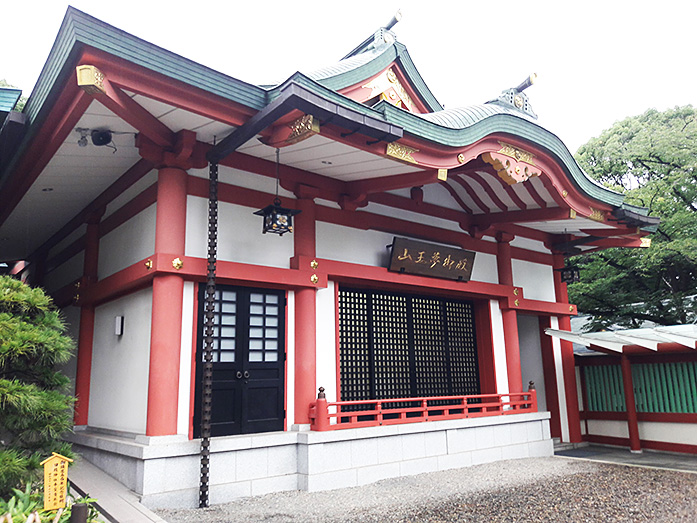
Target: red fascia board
{"x":138,"y":276}
{"x":140,"y":80}
{"x":661,"y":417}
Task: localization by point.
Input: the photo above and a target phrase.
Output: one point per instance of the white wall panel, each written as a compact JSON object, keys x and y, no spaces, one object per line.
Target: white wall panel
{"x":485,"y":269}
{"x":239,"y":235}
{"x":185,"y":358}
{"x":536,"y":279}
{"x":499,"y":344}
{"x":326,"y":341}
{"x":128,"y":243}
{"x":65,"y":273}
{"x":561,"y":390}
{"x":336,"y":242}
{"x":120,"y":364}
{"x":685,"y":433}
{"x":612,"y":428}
{"x":531,"y":356}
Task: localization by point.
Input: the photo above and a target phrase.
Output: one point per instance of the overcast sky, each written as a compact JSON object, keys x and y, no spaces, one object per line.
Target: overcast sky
{"x":597,"y":61}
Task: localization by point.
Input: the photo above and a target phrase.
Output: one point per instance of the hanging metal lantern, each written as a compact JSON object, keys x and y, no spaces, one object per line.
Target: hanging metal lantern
{"x":570,"y":274}
{"x":277,"y":219}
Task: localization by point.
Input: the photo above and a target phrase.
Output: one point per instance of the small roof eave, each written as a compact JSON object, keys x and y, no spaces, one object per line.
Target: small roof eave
{"x":619,"y":340}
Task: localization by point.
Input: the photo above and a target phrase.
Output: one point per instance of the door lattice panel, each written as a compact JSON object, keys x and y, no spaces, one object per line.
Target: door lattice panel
{"x":355,"y":351}
{"x":397,"y":346}
{"x":391,"y":346}
{"x":429,"y":348}
{"x":464,"y":364}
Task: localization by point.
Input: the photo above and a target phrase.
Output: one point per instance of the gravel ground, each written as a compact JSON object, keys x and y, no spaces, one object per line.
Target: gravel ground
{"x":535,"y":489}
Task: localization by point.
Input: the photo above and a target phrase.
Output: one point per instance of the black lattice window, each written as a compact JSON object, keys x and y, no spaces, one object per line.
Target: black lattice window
{"x":225,"y":328}
{"x":264,"y":317}
{"x":396,"y":346}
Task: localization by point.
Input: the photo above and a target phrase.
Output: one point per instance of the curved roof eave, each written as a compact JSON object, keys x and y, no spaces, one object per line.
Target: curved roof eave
{"x":502,"y":122}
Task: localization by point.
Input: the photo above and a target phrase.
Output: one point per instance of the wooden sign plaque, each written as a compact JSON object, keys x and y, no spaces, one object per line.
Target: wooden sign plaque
{"x":428,"y":259}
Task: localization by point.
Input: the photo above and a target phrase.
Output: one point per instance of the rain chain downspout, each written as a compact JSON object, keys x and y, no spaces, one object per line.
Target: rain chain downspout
{"x":207,"y":384}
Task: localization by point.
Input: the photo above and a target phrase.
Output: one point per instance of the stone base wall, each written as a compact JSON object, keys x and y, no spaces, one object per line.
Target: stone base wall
{"x":164,"y":471}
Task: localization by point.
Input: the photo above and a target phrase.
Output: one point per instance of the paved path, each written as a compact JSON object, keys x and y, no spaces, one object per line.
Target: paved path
{"x":622,"y":456}
{"x":116,"y":502}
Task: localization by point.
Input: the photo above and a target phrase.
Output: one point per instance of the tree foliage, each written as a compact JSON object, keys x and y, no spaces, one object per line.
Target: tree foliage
{"x":652,"y":158}
{"x":34,"y":409}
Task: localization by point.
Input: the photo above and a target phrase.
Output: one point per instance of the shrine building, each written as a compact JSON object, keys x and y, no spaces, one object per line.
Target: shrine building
{"x":384,"y":269}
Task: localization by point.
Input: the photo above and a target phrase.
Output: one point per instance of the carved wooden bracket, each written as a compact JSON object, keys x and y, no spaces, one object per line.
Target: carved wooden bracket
{"x":513,"y":165}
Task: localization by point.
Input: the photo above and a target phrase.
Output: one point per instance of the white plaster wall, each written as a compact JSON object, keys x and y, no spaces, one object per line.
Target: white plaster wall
{"x":612,"y":428}
{"x":128,"y":243}
{"x":499,"y":344}
{"x":65,"y":273}
{"x":531,"y":356}
{"x":685,"y":433}
{"x":536,"y":279}
{"x":336,"y":242}
{"x":326,"y":341}
{"x":239,"y":235}
{"x":561,"y":390}
{"x":485,"y":269}
{"x":185,"y":359}
{"x":531,"y":245}
{"x":290,"y":361}
{"x":120,"y":364}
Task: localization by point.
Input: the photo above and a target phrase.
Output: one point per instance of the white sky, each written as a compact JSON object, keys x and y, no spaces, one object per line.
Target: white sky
{"x":597,"y":61}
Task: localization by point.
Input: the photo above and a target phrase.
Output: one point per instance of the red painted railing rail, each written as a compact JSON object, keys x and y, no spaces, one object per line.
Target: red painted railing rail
{"x":325,"y":415}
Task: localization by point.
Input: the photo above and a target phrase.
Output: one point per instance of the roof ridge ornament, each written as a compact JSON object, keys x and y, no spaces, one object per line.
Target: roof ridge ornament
{"x":516,"y":98}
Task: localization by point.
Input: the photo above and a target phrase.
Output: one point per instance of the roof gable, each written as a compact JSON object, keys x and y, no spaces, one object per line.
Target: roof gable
{"x":372,"y":62}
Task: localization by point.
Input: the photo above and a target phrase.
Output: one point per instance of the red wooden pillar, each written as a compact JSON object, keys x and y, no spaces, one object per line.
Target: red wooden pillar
{"x":167,"y":295}
{"x":86,"y":331}
{"x":509,"y":316}
{"x":632,"y":423}
{"x":305,"y":317}
{"x":567,"y":358}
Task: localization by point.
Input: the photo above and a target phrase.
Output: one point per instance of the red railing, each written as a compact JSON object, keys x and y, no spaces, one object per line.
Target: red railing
{"x":335,"y":415}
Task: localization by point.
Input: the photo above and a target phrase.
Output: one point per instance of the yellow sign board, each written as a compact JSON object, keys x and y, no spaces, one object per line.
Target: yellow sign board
{"x":55,"y":481}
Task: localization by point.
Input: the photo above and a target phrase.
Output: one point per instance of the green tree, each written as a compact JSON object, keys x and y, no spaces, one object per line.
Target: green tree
{"x":34,"y":408}
{"x":652,"y":158}
{"x":22,"y":100}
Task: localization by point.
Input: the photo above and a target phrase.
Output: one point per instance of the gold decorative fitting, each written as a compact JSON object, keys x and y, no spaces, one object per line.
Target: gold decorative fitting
{"x":571,"y":308}
{"x":388,"y":86}
{"x":78,"y":284}
{"x":572,"y":213}
{"x":597,"y":215}
{"x":443,"y":175}
{"x":90,"y":79}
{"x":564,"y":193}
{"x":314,"y":278}
{"x":401,"y":152}
{"x":517,"y":302}
{"x":461,"y":158}
{"x":514,"y":152}
{"x":645,"y":243}
{"x":148,"y":264}
{"x":515,"y":291}
{"x":303,"y":128}
{"x":518,"y":101}
{"x":177,"y":263}
{"x":314,"y":264}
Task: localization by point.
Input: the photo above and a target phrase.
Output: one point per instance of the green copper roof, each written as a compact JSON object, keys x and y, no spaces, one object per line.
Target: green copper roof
{"x":8,"y":98}
{"x":452,"y":127}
